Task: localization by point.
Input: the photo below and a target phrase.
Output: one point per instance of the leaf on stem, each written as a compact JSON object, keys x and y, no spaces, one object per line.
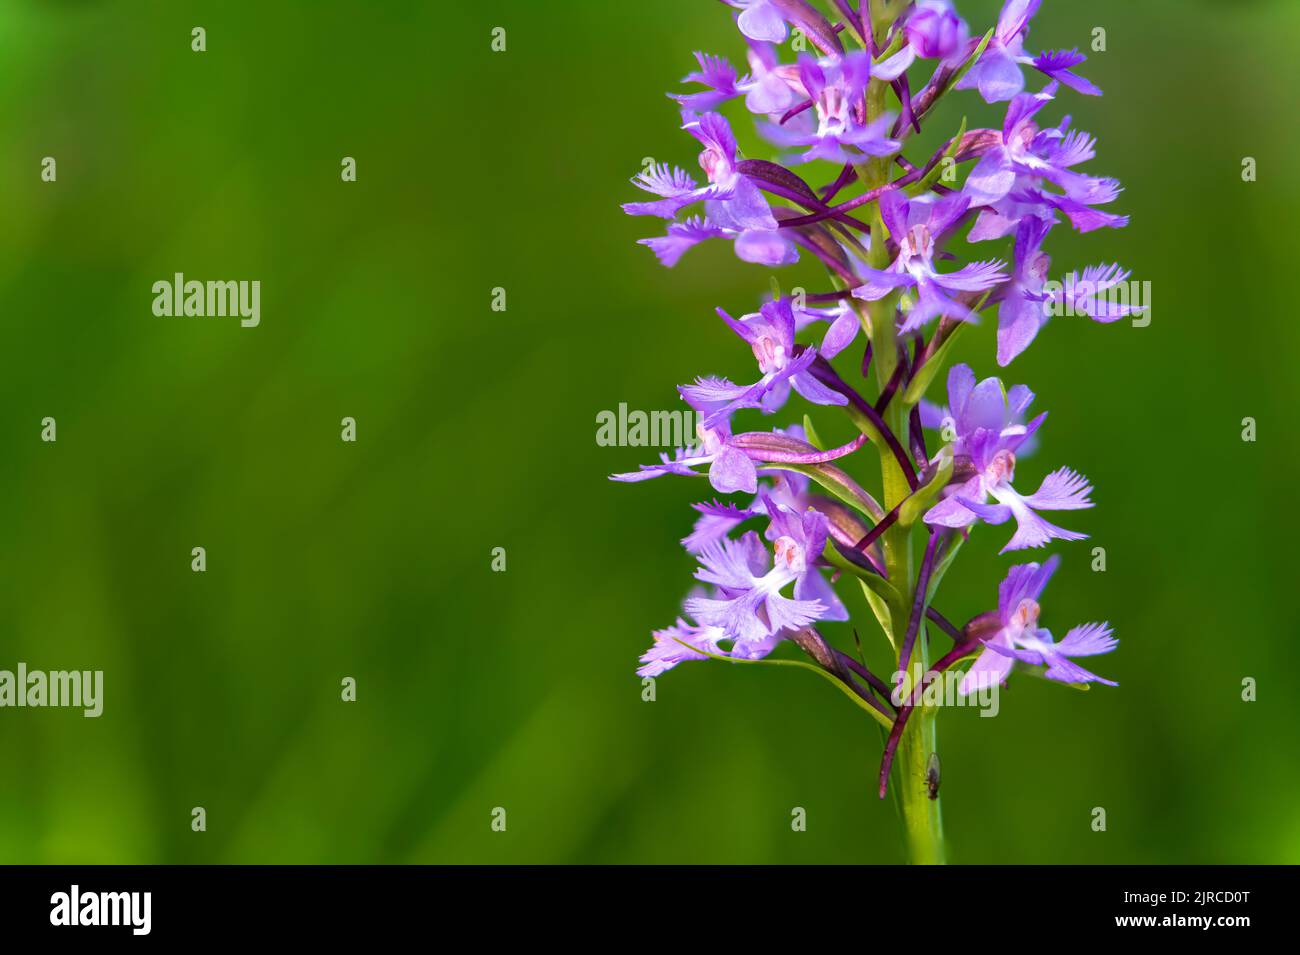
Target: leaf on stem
{"x":923,"y":184}
{"x":916,"y":388}
{"x":838,"y":483}
{"x":880,"y":607}
{"x":970,"y":61}
{"x":811,"y":434}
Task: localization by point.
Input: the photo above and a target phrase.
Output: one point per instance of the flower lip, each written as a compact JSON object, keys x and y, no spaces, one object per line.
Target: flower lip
{"x":918,"y":243}
{"x":715,"y":165}
{"x":1003,"y":467}
{"x":1026,"y":613}
{"x":790,"y":555}
{"x":769,"y":353}
{"x":831,"y":111}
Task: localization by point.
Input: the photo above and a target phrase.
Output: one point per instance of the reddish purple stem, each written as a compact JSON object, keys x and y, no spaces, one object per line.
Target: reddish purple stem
{"x":828,"y":376}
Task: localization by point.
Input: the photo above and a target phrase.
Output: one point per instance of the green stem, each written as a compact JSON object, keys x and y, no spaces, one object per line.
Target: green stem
{"x":922,"y":816}
{"x":922,"y":820}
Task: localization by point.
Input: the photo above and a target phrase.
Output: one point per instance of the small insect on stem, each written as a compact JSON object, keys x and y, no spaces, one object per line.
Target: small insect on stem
{"x":932,"y":776}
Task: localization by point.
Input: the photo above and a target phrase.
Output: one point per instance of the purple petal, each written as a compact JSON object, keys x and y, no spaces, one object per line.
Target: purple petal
{"x":763,"y":22}
{"x":1062,"y":490}
{"x":732,"y":470}
{"x":991,"y":179}
{"x":766,"y":247}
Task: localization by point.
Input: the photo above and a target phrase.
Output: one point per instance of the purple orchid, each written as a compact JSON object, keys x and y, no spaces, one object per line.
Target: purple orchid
{"x":668,"y":648}
{"x":730,"y":468}
{"x":887,"y":229}
{"x":934,"y":31}
{"x":1029,"y":302}
{"x":673,"y":645}
{"x":1079,"y":204}
{"x":1018,"y":636}
{"x":997,"y":74}
{"x":807,"y":530}
{"x":916,"y":225}
{"x":1009,"y":419}
{"x":765,"y":89}
{"x":718,"y":519}
{"x":986,"y":406}
{"x":733,"y":206}
{"x":752,"y":608}
{"x":1025,"y":150}
{"x":988,"y":437}
{"x":770,"y":334}
{"x":1024,"y":309}
{"x":836,"y":92}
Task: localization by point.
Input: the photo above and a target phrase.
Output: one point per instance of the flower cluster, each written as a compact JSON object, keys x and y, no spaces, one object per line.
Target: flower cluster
{"x":883,"y":227}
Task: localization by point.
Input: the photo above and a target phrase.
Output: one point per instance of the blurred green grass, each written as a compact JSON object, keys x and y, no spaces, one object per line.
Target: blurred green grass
{"x":476,"y":429}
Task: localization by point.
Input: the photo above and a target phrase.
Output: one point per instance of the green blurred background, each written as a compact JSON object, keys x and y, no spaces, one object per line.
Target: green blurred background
{"x":476,"y":430}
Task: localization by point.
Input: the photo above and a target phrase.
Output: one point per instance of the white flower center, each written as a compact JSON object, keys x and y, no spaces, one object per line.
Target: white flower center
{"x":790,"y":555}
{"x":1002,"y":468}
{"x":771,"y":355}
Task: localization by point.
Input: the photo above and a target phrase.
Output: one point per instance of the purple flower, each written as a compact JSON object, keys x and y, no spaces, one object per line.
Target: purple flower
{"x":717,"y":520}
{"x":997,"y":73}
{"x":731,"y":200}
{"x":1061,"y":490}
{"x":1078,"y":294}
{"x":719,"y":77}
{"x":1029,"y":303}
{"x":807,"y":529}
{"x":1020,"y":638}
{"x":667,"y":650}
{"x":1007,"y":182}
{"x":765,"y":90}
{"x":733,"y":206}
{"x":953,"y":425}
{"x":682,"y":236}
{"x":934,"y":32}
{"x":1058,"y":65}
{"x":986,"y":407}
{"x":1017,"y":152}
{"x":1001,"y":218}
{"x":751,"y":609}
{"x":1025,"y":150}
{"x":915,"y":225}
{"x":1079,"y":202}
{"x":676,"y":189}
{"x":836,"y":91}
{"x":730,"y":468}
{"x":887,"y":236}
{"x":1024,"y":310}
{"x":770,"y":335}
{"x":988,"y":438}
